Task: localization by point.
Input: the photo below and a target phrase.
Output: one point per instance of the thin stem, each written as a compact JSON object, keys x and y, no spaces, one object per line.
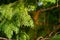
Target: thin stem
{"x":57,"y":3}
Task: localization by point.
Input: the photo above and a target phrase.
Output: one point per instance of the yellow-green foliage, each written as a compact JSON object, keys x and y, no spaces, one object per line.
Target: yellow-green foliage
{"x":13,"y":16}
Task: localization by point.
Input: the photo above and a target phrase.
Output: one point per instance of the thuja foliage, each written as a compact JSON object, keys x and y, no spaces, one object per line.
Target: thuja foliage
{"x":13,"y":16}
{"x":15,"y":21}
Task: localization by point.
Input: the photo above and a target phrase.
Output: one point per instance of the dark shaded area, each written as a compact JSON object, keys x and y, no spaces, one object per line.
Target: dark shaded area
{"x":2,"y":34}
{"x":7,"y":1}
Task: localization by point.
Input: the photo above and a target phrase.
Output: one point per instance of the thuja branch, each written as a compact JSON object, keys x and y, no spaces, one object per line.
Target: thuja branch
{"x":55,"y":31}
{"x":49,"y":8}
{"x":1,"y":38}
{"x":37,"y":13}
